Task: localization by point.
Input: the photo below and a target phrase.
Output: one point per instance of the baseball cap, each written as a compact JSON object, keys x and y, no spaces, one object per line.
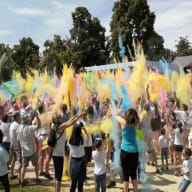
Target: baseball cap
{"x":98,"y":143}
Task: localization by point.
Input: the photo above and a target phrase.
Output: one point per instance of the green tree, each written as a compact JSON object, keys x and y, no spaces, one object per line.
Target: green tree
{"x":154,"y":48}
{"x":26,"y":56}
{"x":6,"y":63}
{"x":134,"y":21}
{"x":52,"y":60}
{"x":183,"y":47}
{"x":88,"y":42}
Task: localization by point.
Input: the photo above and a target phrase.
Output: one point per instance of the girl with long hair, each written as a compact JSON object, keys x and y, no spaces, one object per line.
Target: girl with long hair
{"x":129,"y":148}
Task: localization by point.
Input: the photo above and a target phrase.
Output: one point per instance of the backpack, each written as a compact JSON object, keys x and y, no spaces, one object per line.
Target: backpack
{"x":52,"y":138}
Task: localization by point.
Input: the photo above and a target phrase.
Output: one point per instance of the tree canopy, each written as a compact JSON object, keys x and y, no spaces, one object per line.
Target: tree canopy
{"x":133,"y":20}
{"x":183,"y":47}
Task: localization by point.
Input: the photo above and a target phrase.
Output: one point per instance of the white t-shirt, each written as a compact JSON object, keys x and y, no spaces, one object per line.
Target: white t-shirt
{"x":5,"y":127}
{"x":77,"y":151}
{"x":182,"y":116}
{"x":4,"y":158}
{"x":13,"y":135}
{"x":163,"y":141}
{"x":99,"y":158}
{"x":26,"y":135}
{"x":190,"y":139}
{"x":59,"y":149}
{"x":178,"y":137}
{"x":187,"y":167}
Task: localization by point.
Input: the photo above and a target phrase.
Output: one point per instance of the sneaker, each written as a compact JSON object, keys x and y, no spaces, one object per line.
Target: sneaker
{"x":162,"y":169}
{"x":86,"y":183}
{"x":13,"y":177}
{"x":37,"y":181}
{"x":41,"y":174}
{"x":48,"y":176}
{"x":66,"y":178}
{"x":167,"y":168}
{"x":23,"y":184}
{"x":87,"y":178}
{"x":112,"y":184}
{"x":158,"y":171}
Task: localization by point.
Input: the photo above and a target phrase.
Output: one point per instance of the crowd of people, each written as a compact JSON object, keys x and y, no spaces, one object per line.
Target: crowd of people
{"x":147,"y":133}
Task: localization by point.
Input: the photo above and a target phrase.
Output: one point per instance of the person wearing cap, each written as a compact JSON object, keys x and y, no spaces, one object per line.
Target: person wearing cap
{"x":4,"y":158}
{"x":99,"y":157}
{"x":26,"y":135}
{"x":15,"y":154}
{"x":187,"y":171}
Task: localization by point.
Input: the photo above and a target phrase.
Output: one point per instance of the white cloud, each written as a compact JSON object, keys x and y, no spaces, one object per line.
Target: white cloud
{"x":5,"y":32}
{"x":30,"y":12}
{"x":173,"y":19}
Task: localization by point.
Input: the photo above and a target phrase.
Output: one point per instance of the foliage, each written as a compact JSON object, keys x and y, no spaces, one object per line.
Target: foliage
{"x":183,"y":47}
{"x":26,"y":56}
{"x":6,"y":63}
{"x":154,"y":47}
{"x":133,"y":20}
{"x":52,"y":56}
{"x":88,"y":42}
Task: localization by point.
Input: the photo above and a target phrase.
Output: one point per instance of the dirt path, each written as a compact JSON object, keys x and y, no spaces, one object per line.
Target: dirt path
{"x":165,"y":182}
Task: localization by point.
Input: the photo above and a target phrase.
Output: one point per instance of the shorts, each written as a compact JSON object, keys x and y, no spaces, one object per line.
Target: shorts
{"x":129,"y":163}
{"x":178,"y":148}
{"x":33,"y":158}
{"x":164,"y":153}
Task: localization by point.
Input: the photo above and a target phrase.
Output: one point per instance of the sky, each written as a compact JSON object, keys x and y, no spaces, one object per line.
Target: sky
{"x":41,"y":19}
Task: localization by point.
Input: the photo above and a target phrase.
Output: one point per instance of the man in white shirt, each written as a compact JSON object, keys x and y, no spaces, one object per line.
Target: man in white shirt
{"x":14,"y":144}
{"x":26,"y":138}
{"x":4,"y":158}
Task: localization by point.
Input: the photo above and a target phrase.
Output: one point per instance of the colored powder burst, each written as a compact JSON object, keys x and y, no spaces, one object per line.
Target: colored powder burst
{"x":137,"y":79}
{"x":116,"y":162}
{"x":126,"y":104}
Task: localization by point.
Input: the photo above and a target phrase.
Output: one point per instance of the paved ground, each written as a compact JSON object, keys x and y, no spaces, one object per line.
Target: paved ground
{"x":165,"y":182}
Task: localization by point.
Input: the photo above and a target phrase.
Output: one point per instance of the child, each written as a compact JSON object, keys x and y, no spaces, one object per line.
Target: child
{"x":163,"y":143}
{"x":4,"y":158}
{"x":99,"y":156}
{"x":178,"y":147}
{"x":187,"y":171}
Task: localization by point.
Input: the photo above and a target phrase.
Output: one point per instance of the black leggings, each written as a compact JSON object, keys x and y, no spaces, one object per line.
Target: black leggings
{"x":74,"y":182}
{"x":58,"y":163}
{"x":5,"y":181}
{"x":129,"y":163}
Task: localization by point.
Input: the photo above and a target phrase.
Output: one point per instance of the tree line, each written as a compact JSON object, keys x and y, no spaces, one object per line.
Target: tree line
{"x":87,"y":45}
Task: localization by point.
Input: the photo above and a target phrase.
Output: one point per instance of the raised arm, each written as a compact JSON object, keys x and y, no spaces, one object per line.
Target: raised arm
{"x":147,"y":94}
{"x":70,"y":122}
